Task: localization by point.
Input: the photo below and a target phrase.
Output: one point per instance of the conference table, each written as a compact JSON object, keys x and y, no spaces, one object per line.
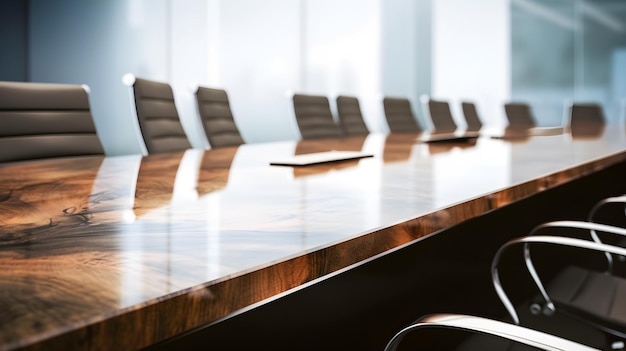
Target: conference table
{"x":122,"y":252}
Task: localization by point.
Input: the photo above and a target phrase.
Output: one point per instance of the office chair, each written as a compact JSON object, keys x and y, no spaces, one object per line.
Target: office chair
{"x":593,"y":298}
{"x":472,"y":119}
{"x":585,"y":120}
{"x":156,"y":113}
{"x":589,"y":296}
{"x":314,"y":117}
{"x":217,"y":118}
{"x":399,"y":116}
{"x":519,"y":115}
{"x":44,"y":120}
{"x":350,"y":116}
{"x":439,"y":113}
{"x":605,"y":211}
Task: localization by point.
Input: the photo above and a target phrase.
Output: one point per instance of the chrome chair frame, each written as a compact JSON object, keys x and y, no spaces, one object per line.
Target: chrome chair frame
{"x":493,"y":327}
{"x":548,"y":307}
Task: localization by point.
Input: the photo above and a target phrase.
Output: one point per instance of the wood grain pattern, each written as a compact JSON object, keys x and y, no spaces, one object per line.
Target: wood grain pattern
{"x":123,"y":252}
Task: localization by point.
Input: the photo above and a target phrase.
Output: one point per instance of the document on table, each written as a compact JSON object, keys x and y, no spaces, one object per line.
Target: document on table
{"x":320,"y":157}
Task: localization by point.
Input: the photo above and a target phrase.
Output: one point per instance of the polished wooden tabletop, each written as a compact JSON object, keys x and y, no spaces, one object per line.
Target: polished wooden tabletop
{"x":122,"y":252}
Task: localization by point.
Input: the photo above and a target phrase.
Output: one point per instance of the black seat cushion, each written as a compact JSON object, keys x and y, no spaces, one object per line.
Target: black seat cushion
{"x":590,"y":295}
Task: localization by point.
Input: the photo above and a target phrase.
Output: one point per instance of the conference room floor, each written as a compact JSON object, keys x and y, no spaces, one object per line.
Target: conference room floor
{"x":91,"y":246}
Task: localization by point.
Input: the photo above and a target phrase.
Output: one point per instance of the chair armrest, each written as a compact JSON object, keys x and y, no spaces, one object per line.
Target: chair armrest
{"x":593,"y":228}
{"x":606,"y":201}
{"x":491,"y":327}
{"x":545,"y":240}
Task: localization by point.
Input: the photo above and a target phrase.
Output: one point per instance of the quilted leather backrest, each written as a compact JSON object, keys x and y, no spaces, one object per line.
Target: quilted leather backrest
{"x":217,"y":118}
{"x":44,"y":120}
{"x":441,"y":116}
{"x":471,"y":116}
{"x":314,"y":117}
{"x":350,"y":116}
{"x":399,"y":115}
{"x":158,"y":117}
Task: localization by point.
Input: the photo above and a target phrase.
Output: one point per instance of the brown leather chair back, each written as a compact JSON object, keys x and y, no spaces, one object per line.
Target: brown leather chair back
{"x":158,"y":117}
{"x":314,"y":117}
{"x":519,"y":115}
{"x":586,"y":120}
{"x":441,"y":116}
{"x":471,"y":116}
{"x":350,"y":116}
{"x":399,"y":116}
{"x":44,"y":120}
{"x":586,"y":113}
{"x":217,"y":118}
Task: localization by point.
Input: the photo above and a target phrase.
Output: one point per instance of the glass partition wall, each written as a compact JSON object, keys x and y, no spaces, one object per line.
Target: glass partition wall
{"x":565,"y":51}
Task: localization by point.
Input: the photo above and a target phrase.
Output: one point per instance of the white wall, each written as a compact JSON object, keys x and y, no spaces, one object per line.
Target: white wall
{"x":188,"y":67}
{"x":341,"y":52}
{"x":266,"y":52}
{"x":471,"y":55}
{"x":257,"y":58}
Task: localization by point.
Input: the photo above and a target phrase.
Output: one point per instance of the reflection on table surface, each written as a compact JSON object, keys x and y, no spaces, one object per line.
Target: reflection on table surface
{"x":88,"y":240}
